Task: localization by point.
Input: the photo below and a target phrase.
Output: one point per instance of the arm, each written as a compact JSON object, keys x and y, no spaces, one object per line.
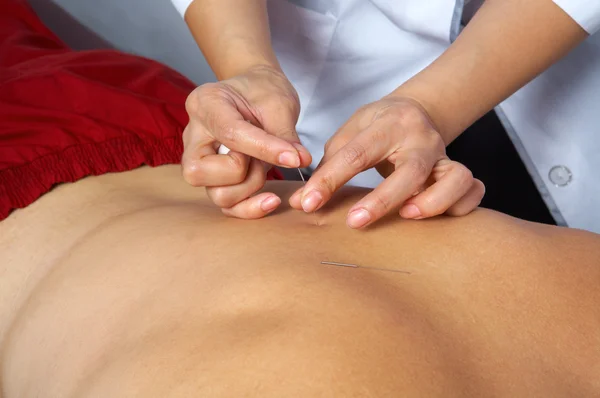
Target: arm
{"x":253,"y":109}
{"x":506,"y":44}
{"x":233,"y":35}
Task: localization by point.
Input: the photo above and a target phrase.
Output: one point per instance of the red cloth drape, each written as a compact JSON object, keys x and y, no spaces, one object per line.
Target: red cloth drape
{"x":68,"y":114}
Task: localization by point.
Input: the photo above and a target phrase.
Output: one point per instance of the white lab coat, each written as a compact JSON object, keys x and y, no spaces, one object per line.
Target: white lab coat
{"x":342,"y":54}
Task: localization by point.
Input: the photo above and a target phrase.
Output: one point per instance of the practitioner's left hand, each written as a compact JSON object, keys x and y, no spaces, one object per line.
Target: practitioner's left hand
{"x":397,"y":136}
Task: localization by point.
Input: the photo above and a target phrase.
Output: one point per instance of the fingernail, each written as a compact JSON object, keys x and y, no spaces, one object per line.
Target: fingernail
{"x":270,"y":203}
{"x":312,"y":201}
{"x":358,"y":218}
{"x":289,"y":159}
{"x":410,"y":211}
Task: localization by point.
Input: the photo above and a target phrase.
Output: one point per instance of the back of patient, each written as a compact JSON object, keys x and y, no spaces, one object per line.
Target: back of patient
{"x":173,"y":299}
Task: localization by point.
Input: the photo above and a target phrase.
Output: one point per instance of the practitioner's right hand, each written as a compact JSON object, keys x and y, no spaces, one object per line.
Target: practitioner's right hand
{"x":254,"y":115}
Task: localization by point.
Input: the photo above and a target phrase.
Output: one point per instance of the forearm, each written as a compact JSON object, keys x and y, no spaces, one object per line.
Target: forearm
{"x":232,"y":34}
{"x":506,"y":44}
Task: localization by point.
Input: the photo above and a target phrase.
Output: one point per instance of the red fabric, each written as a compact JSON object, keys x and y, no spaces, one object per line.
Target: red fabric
{"x":65,"y":115}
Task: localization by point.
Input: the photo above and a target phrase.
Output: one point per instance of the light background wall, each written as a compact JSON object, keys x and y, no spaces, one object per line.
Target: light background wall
{"x":151,"y":28}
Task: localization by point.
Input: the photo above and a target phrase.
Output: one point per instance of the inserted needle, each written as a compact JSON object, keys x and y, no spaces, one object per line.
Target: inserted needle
{"x":362,"y":266}
{"x":301,"y":176}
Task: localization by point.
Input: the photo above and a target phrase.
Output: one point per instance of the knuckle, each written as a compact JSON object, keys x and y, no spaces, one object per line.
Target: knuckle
{"x":334,"y":144}
{"x":439,"y":144}
{"x":234,"y":171}
{"x":237,"y":171}
{"x":186,"y":135}
{"x":327,"y":182}
{"x":403,"y":118}
{"x":208,"y":90}
{"x":192,"y":175}
{"x":191,"y":104}
{"x":465,"y":175}
{"x":290,"y":102}
{"x":382,"y":204}
{"x":378,"y":136}
{"x":386,"y":110}
{"x":356,"y":157}
{"x":221,"y":196}
{"x":409,"y":114}
{"x":327,"y":148}
{"x":366,"y":108}
{"x":434,"y":140}
{"x":368,"y":112}
{"x":280,"y":114}
{"x":225,"y":131}
{"x":204,"y":106}
{"x":195,"y":99}
{"x":285,"y":101}
{"x":418,"y":168}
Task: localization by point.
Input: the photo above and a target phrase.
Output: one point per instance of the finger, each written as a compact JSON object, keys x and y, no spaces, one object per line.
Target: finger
{"x":410,"y":174}
{"x":450,"y":186}
{"x":470,"y":201}
{"x":364,"y":151}
{"x":342,"y":137}
{"x":227,"y":126}
{"x":203,"y":168}
{"x":294,"y":200}
{"x":196,"y":144}
{"x":304,"y":154}
{"x":228,"y":196}
{"x":254,"y":207}
{"x":279,"y":119}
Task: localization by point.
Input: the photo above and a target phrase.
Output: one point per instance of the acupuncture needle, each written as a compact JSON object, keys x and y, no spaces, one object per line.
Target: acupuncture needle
{"x":365,"y":267}
{"x":301,"y":176}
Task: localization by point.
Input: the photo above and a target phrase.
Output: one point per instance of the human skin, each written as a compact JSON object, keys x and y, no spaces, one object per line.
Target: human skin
{"x":135,"y":284}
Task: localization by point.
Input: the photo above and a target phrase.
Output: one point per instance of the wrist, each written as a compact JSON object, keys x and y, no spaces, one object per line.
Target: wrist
{"x":244,"y":63}
{"x":424,"y":99}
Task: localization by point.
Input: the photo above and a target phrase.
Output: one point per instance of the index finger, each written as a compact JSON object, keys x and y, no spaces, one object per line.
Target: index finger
{"x":360,"y":154}
{"x":228,"y":126}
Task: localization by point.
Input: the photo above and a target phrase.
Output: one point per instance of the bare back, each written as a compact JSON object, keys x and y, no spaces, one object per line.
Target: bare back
{"x":133,"y":284}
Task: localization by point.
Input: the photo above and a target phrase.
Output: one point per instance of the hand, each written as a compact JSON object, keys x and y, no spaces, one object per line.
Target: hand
{"x":396,"y":135}
{"x":254,"y":115}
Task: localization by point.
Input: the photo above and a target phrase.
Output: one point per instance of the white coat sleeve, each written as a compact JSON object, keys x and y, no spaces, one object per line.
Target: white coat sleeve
{"x":585,"y":12}
{"x":182,"y":5}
